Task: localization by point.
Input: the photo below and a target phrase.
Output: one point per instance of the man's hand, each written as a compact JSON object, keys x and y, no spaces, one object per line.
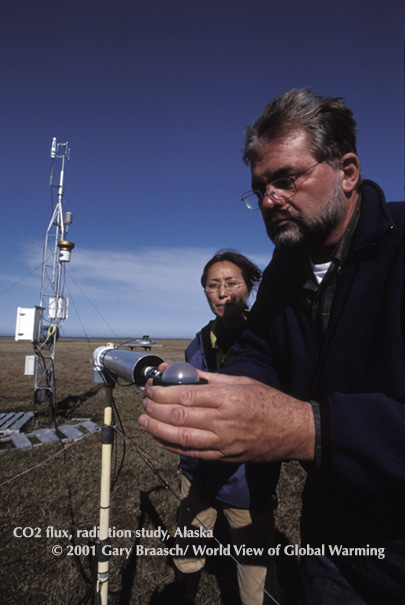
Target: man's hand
{"x":234,"y":419}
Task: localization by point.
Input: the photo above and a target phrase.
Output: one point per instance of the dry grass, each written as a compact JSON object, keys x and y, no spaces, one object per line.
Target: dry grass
{"x":64,"y":494}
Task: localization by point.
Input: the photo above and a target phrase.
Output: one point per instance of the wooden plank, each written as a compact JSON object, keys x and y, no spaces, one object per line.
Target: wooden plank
{"x":46,"y":435}
{"x":21,"y":441}
{"x":90,"y":426}
{"x":70,"y":431}
{"x":7,"y":420}
{"x":21,"y":421}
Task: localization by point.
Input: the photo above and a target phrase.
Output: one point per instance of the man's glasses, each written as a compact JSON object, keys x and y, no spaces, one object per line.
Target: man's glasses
{"x":279,"y":190}
{"x":230,"y":286}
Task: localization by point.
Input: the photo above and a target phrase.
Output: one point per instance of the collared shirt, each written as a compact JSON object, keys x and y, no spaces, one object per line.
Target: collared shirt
{"x":321,"y":296}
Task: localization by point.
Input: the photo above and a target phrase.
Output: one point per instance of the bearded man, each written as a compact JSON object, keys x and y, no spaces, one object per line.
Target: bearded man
{"x":319,"y":374}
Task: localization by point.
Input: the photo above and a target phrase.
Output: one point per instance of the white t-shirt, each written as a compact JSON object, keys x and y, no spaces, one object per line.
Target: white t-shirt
{"x":320,"y":270}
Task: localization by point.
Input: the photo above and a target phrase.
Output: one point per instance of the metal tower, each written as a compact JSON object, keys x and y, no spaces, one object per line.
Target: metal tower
{"x":42,"y":324}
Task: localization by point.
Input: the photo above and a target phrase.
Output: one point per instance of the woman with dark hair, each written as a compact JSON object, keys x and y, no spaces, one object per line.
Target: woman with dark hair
{"x":244,"y":493}
{"x":228,"y":279}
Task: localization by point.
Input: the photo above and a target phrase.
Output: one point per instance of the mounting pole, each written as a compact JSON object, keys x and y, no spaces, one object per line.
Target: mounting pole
{"x":103,"y":557}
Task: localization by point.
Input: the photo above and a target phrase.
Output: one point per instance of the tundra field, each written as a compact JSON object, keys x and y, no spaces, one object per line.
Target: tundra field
{"x":50,"y":495}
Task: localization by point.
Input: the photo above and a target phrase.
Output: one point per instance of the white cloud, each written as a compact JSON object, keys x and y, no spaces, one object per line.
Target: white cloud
{"x":153,"y":273}
{"x":151,"y":289}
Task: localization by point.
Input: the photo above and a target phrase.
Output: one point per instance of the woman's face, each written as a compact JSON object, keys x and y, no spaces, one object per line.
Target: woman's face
{"x":227,"y":305}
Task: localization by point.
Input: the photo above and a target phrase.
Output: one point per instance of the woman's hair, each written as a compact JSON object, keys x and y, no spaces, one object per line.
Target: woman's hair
{"x":251,"y":273}
{"x":329,"y":123}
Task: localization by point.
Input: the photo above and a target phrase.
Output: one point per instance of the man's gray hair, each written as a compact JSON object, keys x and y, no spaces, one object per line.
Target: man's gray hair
{"x":330,"y":124}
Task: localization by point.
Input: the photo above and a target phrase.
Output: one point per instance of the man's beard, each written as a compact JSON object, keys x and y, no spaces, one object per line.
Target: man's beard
{"x":306,"y":232}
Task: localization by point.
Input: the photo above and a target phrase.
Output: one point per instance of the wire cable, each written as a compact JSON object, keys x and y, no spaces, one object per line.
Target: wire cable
{"x":147,"y":459}
{"x":95,"y":308}
{"x":20,"y":280}
{"x":77,"y":312}
{"x":177,"y":497}
{"x":47,"y":461}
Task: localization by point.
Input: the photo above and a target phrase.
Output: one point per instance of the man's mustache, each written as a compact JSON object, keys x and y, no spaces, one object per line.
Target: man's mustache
{"x":280,"y":215}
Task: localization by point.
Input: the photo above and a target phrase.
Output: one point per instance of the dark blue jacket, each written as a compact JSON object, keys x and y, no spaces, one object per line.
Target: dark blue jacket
{"x":358,"y":376}
{"x":248,"y":487}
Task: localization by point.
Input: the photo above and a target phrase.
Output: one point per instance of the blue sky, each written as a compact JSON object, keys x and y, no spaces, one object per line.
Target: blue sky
{"x":153,"y":97}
